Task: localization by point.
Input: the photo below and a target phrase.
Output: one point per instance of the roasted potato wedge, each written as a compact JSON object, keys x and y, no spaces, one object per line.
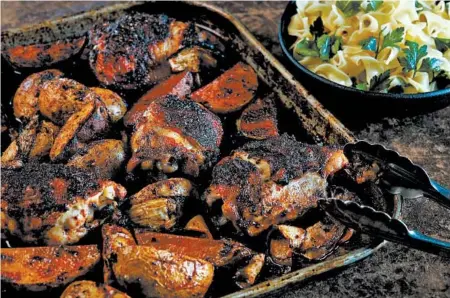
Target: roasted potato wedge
{"x":105,"y":157}
{"x":259,"y":120}
{"x":178,"y":84}
{"x":114,"y":104}
{"x":230,"y":92}
{"x":198,"y":224}
{"x":219,"y":252}
{"x":160,"y":205}
{"x":90,"y":289}
{"x":39,"y":55}
{"x":25,"y":101}
{"x":44,"y":139}
{"x":41,"y":268}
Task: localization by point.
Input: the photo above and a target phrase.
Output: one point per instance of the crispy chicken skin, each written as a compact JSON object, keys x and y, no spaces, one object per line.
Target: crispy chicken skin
{"x":230,"y":92}
{"x":219,"y":252}
{"x":25,"y":101}
{"x":177,"y":135}
{"x":160,"y":205}
{"x":53,"y":204}
{"x":178,"y":84}
{"x":155,"y":272}
{"x":39,"y":55}
{"x":43,"y":268}
{"x":131,"y":52}
{"x":90,"y":289}
{"x":259,"y":120}
{"x":270,"y":182}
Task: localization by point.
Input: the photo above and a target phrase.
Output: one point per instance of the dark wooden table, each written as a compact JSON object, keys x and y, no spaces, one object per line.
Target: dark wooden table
{"x":394,"y":271}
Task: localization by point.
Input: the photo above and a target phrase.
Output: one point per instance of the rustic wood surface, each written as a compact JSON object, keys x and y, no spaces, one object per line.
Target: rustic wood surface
{"x":392,"y":272}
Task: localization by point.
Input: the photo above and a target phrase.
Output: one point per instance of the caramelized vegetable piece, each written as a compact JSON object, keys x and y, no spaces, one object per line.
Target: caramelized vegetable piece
{"x":160,"y":205}
{"x":259,"y":120}
{"x":90,"y":289}
{"x":44,"y":139}
{"x":41,"y":268}
{"x":39,"y":55}
{"x":105,"y":157}
{"x":281,"y":252}
{"x":230,"y":92}
{"x":60,"y":98}
{"x":247,"y":276}
{"x":192,"y":59}
{"x":198,"y":224}
{"x":70,"y":128}
{"x":114,"y":104}
{"x":219,"y":252}
{"x":155,"y":272}
{"x":25,"y":102}
{"x":178,"y":84}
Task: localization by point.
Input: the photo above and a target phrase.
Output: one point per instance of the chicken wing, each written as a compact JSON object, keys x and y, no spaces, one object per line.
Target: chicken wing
{"x":54,"y":204}
{"x":177,"y":135}
{"x":269,"y":182}
{"x":131,"y":52}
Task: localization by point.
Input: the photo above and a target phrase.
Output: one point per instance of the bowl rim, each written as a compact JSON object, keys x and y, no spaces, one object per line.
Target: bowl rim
{"x":286,"y":17}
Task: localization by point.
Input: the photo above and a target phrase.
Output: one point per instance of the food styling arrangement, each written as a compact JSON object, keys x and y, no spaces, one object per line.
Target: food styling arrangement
{"x":153,"y":153}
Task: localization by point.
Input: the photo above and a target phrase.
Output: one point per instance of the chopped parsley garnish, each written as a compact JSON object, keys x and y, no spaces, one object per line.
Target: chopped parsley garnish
{"x":373,"y":5}
{"x":325,"y":47}
{"x":412,"y":56}
{"x":430,"y":66}
{"x":381,"y":82}
{"x":442,"y":44}
{"x":369,"y":44}
{"x":349,"y":8}
{"x":391,"y":39}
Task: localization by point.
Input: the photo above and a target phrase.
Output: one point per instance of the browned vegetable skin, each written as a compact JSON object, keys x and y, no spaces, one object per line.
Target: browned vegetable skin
{"x":230,"y":92}
{"x":41,"y":268}
{"x":114,"y":104}
{"x":25,"y":101}
{"x":38,"y":55}
{"x":178,"y":84}
{"x":198,"y":224}
{"x":246,"y":276}
{"x":176,"y":135}
{"x":160,"y":205}
{"x":219,"y":252}
{"x":106,"y":157}
{"x":158,"y":273}
{"x":90,"y":289}
{"x":259,"y":120}
{"x":192,"y":59}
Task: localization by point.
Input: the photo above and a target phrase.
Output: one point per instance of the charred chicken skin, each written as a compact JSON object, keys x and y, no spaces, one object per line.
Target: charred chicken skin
{"x":132,"y":51}
{"x":54,"y":204}
{"x":176,"y":135}
{"x":268,"y":182}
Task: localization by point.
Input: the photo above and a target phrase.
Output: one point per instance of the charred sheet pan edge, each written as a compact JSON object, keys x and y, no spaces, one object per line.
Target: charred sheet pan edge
{"x":317,"y":127}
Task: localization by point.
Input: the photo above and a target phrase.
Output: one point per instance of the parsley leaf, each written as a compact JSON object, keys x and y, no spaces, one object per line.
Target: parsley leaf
{"x":349,"y":7}
{"x":324,"y":45}
{"x":373,"y":5}
{"x":336,"y":44}
{"x":369,"y":44}
{"x":381,"y":82}
{"x":317,"y":28}
{"x":390,"y":39}
{"x":430,"y":65}
{"x":419,"y":6}
{"x":361,"y":86}
{"x":412,"y":56}
{"x":442,"y":44}
{"x":307,"y":48}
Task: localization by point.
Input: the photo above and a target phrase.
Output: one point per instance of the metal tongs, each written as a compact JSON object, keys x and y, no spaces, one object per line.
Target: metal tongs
{"x":400,"y":177}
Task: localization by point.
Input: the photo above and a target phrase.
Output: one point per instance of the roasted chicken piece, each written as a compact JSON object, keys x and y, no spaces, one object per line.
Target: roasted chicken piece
{"x":176,"y":135}
{"x":160,"y":205}
{"x":230,"y":92}
{"x":270,"y":182}
{"x":259,"y":120}
{"x":90,"y":289}
{"x":192,"y":59}
{"x":43,"y":268}
{"x":155,"y":272}
{"x":105,"y":157}
{"x":43,"y":54}
{"x":219,"y":252}
{"x":178,"y":84}
{"x":132,"y":51}
{"x":54,"y":204}
{"x":25,"y":101}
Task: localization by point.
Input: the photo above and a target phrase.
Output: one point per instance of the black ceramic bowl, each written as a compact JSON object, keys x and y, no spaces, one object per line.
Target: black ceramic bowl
{"x":344,"y":100}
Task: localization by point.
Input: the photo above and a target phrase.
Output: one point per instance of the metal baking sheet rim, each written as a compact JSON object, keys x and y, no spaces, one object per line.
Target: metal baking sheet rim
{"x":291,"y":278}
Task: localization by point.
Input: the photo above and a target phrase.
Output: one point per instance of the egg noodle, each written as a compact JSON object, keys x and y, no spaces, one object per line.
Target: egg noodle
{"x":384,"y":46}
